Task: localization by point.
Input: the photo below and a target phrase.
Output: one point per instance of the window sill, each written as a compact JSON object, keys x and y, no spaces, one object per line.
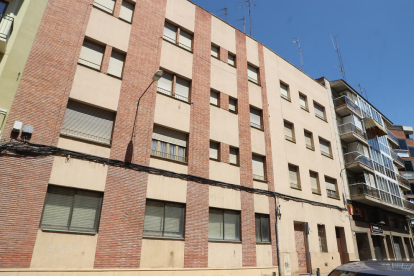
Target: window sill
{"x":90,"y":67}
{"x":170,"y":160}
{"x":257,"y":83}
{"x":234,"y":112}
{"x":85,"y":140}
{"x":328,"y":156}
{"x":261,"y":129}
{"x":315,"y":193}
{"x":259,"y":242}
{"x":126,"y":21}
{"x":305,"y":109}
{"x":290,"y":140}
{"x":224,"y":241}
{"x":336,"y":198}
{"x":313,"y":149}
{"x":259,"y":180}
{"x":172,"y":97}
{"x":287,"y":99}
{"x":163,"y":238}
{"x":323,"y":119}
{"x":296,"y":188}
{"x":113,"y":76}
{"x":68,"y":231}
{"x":236,"y":165}
{"x":185,"y":49}
{"x":215,"y":105}
{"x":214,"y":159}
{"x":103,"y":10}
{"x":234,"y":66}
{"x":218,"y":58}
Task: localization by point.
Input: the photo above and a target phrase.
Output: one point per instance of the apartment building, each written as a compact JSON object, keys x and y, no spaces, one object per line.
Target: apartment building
{"x":375,"y":190}
{"x":227,"y":164}
{"x":19,"y":21}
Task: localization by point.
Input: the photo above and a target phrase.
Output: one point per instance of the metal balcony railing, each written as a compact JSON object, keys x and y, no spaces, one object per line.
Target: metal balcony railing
{"x":6,"y":29}
{"x":345,"y":101}
{"x":351,"y":128}
{"x":349,"y":158}
{"x":408,"y":205}
{"x":396,"y":157}
{"x":408,"y":175}
{"x":169,"y":93}
{"x":169,"y":156}
{"x":392,"y":136}
{"x":85,"y":136}
{"x":363,"y":189}
{"x":333,"y":194}
{"x":89,"y":64}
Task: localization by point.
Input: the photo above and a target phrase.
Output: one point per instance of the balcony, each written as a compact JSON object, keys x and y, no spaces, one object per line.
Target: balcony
{"x":392,"y":138}
{"x":350,"y":133}
{"x":371,"y":196}
{"x":408,"y":175}
{"x":397,"y":160}
{"x":169,"y":156}
{"x":360,"y":165}
{"x":402,"y":153}
{"x":404,"y":184}
{"x":344,"y":106}
{"x":6,"y":28}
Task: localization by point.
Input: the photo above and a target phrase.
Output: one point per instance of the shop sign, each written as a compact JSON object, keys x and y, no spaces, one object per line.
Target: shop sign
{"x":376,"y":229}
{"x":358,"y":212}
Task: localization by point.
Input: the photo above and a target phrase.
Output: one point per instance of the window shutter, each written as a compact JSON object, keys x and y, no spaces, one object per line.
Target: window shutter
{"x":284,"y":91}
{"x":255,"y":117}
{"x":165,"y":83}
{"x":182,"y":89}
{"x":293,"y":176}
{"x":372,"y":180}
{"x":170,"y":32}
{"x":215,"y":224}
{"x":91,"y":55}
{"x":302,"y":100}
{"x":116,"y":64}
{"x":214,"y":51}
{"x":325,"y":148}
{"x":366,"y":151}
{"x":265,"y":228}
{"x":252,"y":73}
{"x":169,"y":136}
{"x":319,"y":111}
{"x":232,"y":104}
{"x":214,"y":96}
{"x":308,"y":140}
{"x":258,"y":166}
{"x":314,"y":181}
{"x":233,"y":156}
{"x":231,"y":59}
{"x":174,"y":218}
{"x":127,"y":9}
{"x":57,"y":208}
{"x":153,"y":221}
{"x":214,"y":150}
{"x":106,"y":5}
{"x":330,"y":184}
{"x":288,"y":131}
{"x":85,"y":211}
{"x":231,"y":225}
{"x":186,"y":40}
{"x":87,"y":122}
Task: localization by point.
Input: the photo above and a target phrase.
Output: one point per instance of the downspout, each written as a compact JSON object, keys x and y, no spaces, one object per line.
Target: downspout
{"x":277,"y":238}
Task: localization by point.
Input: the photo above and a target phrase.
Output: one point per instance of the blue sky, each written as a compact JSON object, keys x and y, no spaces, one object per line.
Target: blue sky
{"x":376,"y":39}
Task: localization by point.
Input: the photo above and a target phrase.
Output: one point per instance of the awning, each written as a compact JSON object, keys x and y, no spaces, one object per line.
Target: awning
{"x":374,"y":127}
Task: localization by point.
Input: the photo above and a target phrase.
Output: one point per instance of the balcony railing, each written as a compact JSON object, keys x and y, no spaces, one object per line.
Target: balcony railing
{"x":392,"y":136}
{"x":345,"y":101}
{"x":85,"y":136}
{"x":408,"y":205}
{"x":89,"y":64}
{"x":351,"y":128}
{"x":6,"y":28}
{"x":332,"y":194}
{"x":363,"y":189}
{"x":349,"y":158}
{"x":408,"y":175}
{"x":169,"y":93}
{"x":403,"y":182}
{"x":396,"y":157}
{"x":169,"y":156}
{"x":402,"y":153}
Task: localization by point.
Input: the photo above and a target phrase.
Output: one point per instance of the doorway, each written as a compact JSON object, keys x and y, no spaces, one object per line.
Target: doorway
{"x":379,"y":248}
{"x":341,"y":242}
{"x":398,"y":248}
{"x":364,"y":249}
{"x":409,"y":249}
{"x":390,"y":248}
{"x":301,"y":249}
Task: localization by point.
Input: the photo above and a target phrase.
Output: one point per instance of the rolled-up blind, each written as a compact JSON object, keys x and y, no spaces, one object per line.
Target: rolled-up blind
{"x":58,"y":207}
{"x":258,"y":165}
{"x":153,"y":221}
{"x":232,"y":104}
{"x":170,"y":32}
{"x":319,"y":111}
{"x":165,"y":82}
{"x":127,"y":9}
{"x":169,"y":136}
{"x":85,"y":211}
{"x":293,"y":176}
{"x":284,"y":91}
{"x":288,"y":131}
{"x":215,"y":224}
{"x":325,"y":147}
{"x":308,"y":140}
{"x":214,"y":149}
{"x":214,"y":51}
{"x":233,"y":156}
{"x":231,"y":59}
{"x":182,"y":89}
{"x":185,"y":40}
{"x":252,"y":73}
{"x":116,"y":64}
{"x":255,"y":117}
{"x":302,"y":100}
{"x":314,"y":181}
{"x":91,"y":54}
{"x":174,"y":220}
{"x":88,"y":122}
{"x":231,"y":225}
{"x":106,"y":5}
{"x":214,"y":98}
{"x":330,"y":183}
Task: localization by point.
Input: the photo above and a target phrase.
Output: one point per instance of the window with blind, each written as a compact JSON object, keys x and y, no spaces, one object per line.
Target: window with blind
{"x":214,"y":150}
{"x":308,"y":140}
{"x":69,"y":209}
{"x":224,"y":225}
{"x":165,"y":83}
{"x":258,"y":164}
{"x":289,"y":131}
{"x":331,"y":188}
{"x":88,"y":123}
{"x":303,"y":101}
{"x":233,"y":105}
{"x":262,"y":226}
{"x":182,"y":89}
{"x":169,"y":144}
{"x":284,"y":91}
{"x":170,"y":32}
{"x":185,"y":40}
{"x":234,"y":156}
{"x":319,"y":111}
{"x":126,"y":12}
{"x":105,"y":5}
{"x":231,"y":59}
{"x":314,"y":179}
{"x":116,"y":64}
{"x":325,"y":147}
{"x":252,"y":73}
{"x":91,"y":54}
{"x":215,"y":51}
{"x":214,"y":98}
{"x":323,"y":247}
{"x":255,"y":118}
{"x":164,"y":219}
{"x":294,"y":176}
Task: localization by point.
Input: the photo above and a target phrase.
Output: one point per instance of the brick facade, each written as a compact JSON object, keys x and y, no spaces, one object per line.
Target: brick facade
{"x":224,"y":101}
{"x":224,"y":55}
{"x":106,"y":58}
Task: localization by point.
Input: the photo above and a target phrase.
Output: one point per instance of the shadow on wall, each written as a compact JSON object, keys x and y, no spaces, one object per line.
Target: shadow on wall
{"x":129,"y":154}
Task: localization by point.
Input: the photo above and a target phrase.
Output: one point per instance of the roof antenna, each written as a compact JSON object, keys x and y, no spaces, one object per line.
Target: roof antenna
{"x":244,"y":23}
{"x":225,"y":11}
{"x":296,"y":40}
{"x":248,"y":4}
{"x":362,"y":90}
{"x":341,"y":64}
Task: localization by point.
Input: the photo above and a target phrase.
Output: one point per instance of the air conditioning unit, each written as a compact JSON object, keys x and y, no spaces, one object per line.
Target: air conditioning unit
{"x":17,"y":126}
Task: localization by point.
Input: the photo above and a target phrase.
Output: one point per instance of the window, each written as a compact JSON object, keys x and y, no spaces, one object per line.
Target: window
{"x":303,"y":102}
{"x":325,"y":147}
{"x":322,"y":238}
{"x":408,"y":166}
{"x":91,"y":54}
{"x":410,"y":149}
{"x":233,"y":105}
{"x":88,"y":123}
{"x":403,"y":144}
{"x":184,"y":40}
{"x":126,"y":12}
{"x":294,"y":178}
{"x":182,"y":87}
{"x":262,"y":226}
{"x":258,"y":168}
{"x":214,"y":150}
{"x":319,"y":111}
{"x":215,"y":51}
{"x":252,"y":73}
{"x":71,"y":209}
{"x":231,"y":59}
{"x":331,"y":187}
{"x":314,"y":178}
{"x":309,"y":140}
{"x":164,"y":219}
{"x":170,"y":32}
{"x":214,"y":98}
{"x":284,"y":91}
{"x":224,"y":225}
{"x":3,"y":7}
{"x":169,"y":144}
{"x":116,"y":64}
{"x":105,"y":5}
{"x":234,"y":156}
{"x":289,"y":131}
{"x":255,"y":118}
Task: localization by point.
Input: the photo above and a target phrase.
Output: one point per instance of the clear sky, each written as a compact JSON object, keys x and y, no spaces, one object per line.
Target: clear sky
{"x":376,"y":39}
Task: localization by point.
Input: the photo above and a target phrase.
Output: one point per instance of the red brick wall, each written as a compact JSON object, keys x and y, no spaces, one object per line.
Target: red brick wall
{"x":224,"y":55}
{"x":224,"y":153}
{"x":300,"y":243}
{"x":106,"y":58}
{"x":224,"y":101}
{"x":245,"y":154}
{"x":40,"y":101}
{"x":196,"y":239}
{"x":122,"y":218}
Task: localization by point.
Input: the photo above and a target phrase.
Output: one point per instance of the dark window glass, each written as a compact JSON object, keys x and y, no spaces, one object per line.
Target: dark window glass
{"x":403,"y":144}
{"x":3,"y":7}
{"x":262,"y":228}
{"x":408,"y":166}
{"x":411,"y":152}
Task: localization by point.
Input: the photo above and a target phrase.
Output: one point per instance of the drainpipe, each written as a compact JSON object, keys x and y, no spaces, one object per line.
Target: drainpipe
{"x":307,"y":247}
{"x":277,"y":238}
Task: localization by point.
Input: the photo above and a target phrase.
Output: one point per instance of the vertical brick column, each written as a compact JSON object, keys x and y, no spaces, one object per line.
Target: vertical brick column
{"x":224,"y":101}
{"x":122,"y":217}
{"x":268,"y":147}
{"x":196,"y":232}
{"x":40,"y":101}
{"x":106,"y":58}
{"x":224,"y":55}
{"x":224,"y":153}
{"x":117,"y":8}
{"x":245,"y":151}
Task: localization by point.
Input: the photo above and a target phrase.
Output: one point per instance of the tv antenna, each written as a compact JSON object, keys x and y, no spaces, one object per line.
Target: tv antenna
{"x":248,"y":4}
{"x":225,"y":11}
{"x":341,"y":64}
{"x":362,"y":90}
{"x":296,"y":40}
{"x":244,"y":23}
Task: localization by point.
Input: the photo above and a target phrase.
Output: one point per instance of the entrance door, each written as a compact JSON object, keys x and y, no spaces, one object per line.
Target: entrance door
{"x":300,"y":242}
{"x":379,"y":247}
{"x":340,"y":241}
{"x":364,"y":249}
{"x":397,"y":248}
